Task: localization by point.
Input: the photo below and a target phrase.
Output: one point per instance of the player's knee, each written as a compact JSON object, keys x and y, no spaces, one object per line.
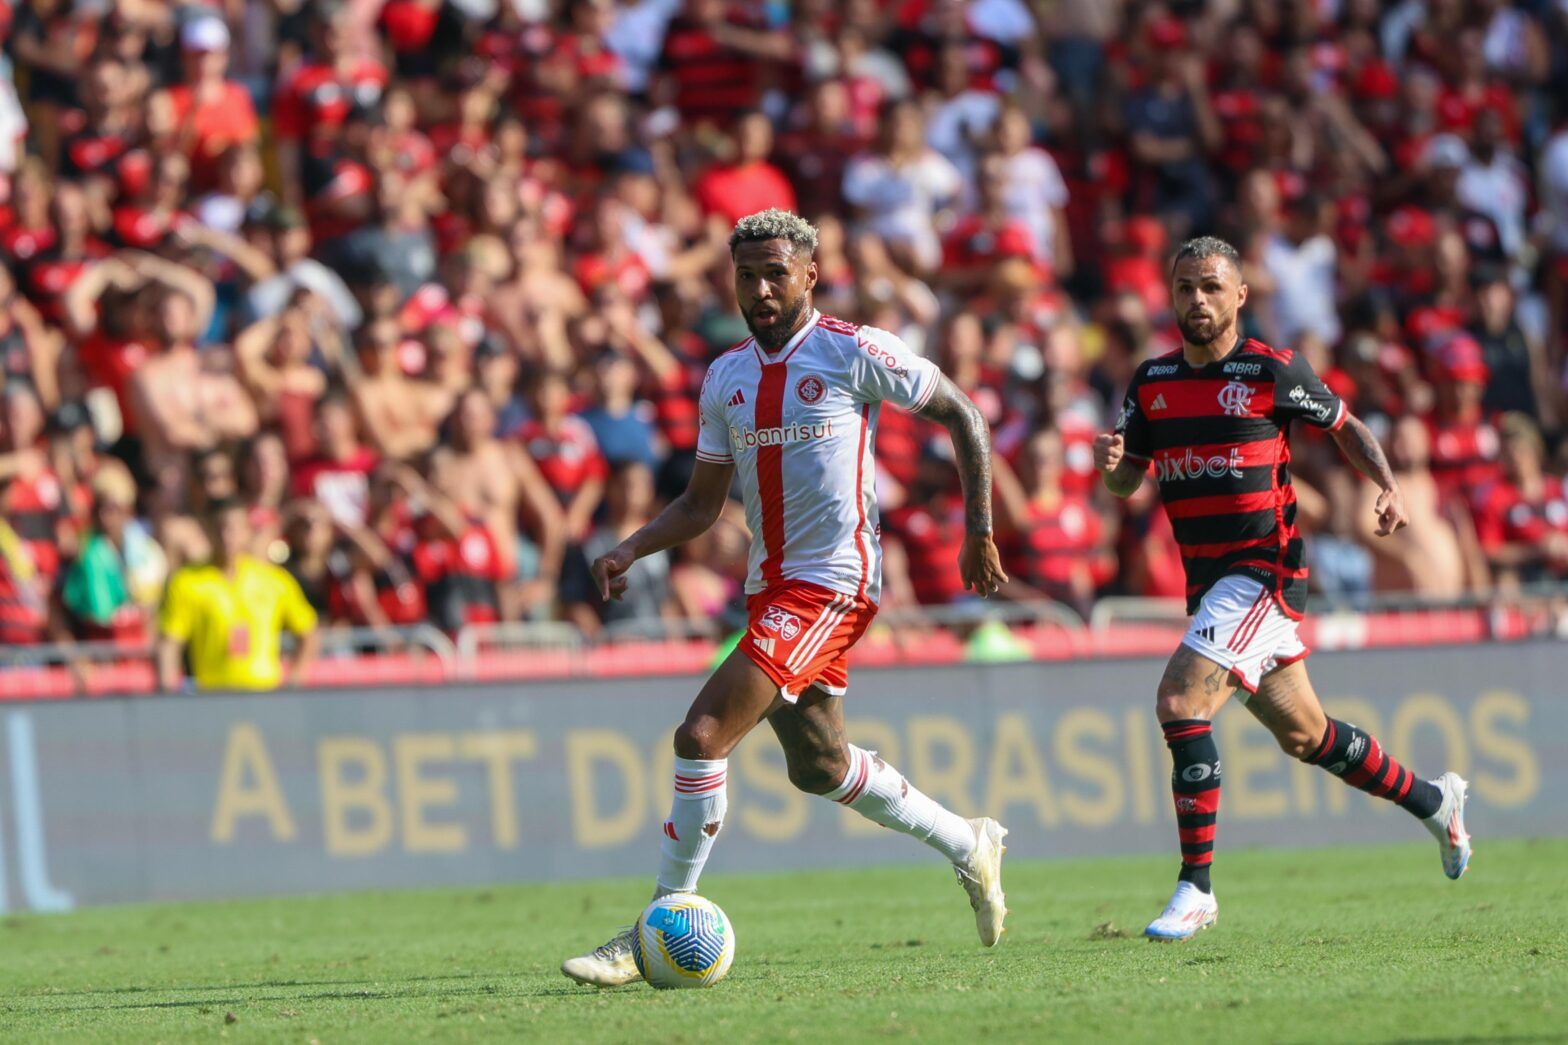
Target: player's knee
{"x":1296,"y":743}
{"x":819,"y":772}
{"x":1172,"y":704}
{"x":699,"y":739}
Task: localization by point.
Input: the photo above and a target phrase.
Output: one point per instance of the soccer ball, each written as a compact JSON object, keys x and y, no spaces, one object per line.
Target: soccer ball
{"x":682,"y":940}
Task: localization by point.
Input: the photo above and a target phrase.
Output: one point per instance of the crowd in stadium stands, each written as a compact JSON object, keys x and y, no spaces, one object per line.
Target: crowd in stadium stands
{"x":429,"y":286}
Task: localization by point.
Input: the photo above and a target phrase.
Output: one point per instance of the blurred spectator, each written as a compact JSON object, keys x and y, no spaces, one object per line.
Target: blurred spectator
{"x":1464,"y":445}
{"x":644,"y":607}
{"x":1300,"y":262}
{"x":1171,"y":128}
{"x":564,"y":447}
{"x":1426,"y":556}
{"x":111,"y":589}
{"x":1059,"y":547}
{"x":227,"y":616}
{"x":900,"y":185}
{"x":746,"y":182}
{"x":207,"y":114}
{"x":338,"y":473}
{"x":1521,"y":518}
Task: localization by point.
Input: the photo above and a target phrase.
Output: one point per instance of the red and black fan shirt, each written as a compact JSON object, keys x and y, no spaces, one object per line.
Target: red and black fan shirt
{"x":1218,"y":437}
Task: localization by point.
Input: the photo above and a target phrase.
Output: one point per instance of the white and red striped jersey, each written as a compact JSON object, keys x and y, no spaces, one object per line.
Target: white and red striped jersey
{"x":799,"y":427}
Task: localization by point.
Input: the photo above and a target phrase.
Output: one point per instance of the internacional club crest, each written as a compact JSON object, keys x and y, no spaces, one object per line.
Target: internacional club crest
{"x":1236,"y":399}
{"x":810,"y":389}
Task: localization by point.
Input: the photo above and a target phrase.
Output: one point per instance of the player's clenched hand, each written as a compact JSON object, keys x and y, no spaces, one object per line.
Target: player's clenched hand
{"x":609,"y":572}
{"x":980,"y":565}
{"x":1108,"y":450}
{"x":1391,"y":515}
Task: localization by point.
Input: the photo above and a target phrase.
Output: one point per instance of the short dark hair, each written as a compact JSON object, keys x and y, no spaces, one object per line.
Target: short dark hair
{"x":1201,"y":248}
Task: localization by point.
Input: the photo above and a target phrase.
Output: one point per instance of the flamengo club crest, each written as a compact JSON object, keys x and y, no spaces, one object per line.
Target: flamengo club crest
{"x":1236,"y":399}
{"x":810,"y":388}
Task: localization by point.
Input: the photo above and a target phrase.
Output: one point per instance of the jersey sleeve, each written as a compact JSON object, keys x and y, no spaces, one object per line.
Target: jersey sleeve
{"x":1133,"y":426}
{"x":1300,"y":395}
{"x":713,"y":431}
{"x":883,"y":369}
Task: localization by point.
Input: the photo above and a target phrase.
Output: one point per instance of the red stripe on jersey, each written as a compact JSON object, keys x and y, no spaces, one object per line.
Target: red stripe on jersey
{"x":770,"y":470}
{"x":1284,"y":355}
{"x":1194,"y":397}
{"x":1283,"y":534}
{"x":838,"y":326}
{"x":1223,"y":548}
{"x":860,"y":498}
{"x":1226,"y":504}
{"x":1248,"y":455}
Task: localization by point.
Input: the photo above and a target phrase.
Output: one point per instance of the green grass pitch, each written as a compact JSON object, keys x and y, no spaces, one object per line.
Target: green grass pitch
{"x":1344,"y":945}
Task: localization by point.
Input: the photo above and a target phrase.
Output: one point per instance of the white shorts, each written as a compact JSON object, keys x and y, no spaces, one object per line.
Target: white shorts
{"x":1240,"y":626}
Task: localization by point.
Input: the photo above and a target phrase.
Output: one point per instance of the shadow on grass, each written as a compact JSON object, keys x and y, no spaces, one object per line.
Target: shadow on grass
{"x":389,"y":990}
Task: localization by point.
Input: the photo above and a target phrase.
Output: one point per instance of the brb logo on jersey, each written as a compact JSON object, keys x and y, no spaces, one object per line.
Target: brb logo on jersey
{"x":781,"y":621}
{"x":810,"y":389}
{"x":1195,"y":466}
{"x":1236,"y":399}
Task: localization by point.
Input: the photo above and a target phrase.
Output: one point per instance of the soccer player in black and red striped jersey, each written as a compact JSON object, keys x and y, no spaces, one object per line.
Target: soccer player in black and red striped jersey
{"x":1213,"y":420}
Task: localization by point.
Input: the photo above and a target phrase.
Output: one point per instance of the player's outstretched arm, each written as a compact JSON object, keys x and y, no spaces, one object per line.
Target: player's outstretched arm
{"x":979,"y":563}
{"x":690,"y":514}
{"x":1122,"y":474}
{"x":1361,"y":449}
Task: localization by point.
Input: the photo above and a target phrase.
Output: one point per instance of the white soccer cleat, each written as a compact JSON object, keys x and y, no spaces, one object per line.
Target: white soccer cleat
{"x":608,"y":965}
{"x":1190,"y":911}
{"x":1448,"y":824}
{"x":981,"y":878}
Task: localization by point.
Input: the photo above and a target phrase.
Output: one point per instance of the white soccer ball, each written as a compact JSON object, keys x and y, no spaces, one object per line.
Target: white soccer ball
{"x":682,"y":940}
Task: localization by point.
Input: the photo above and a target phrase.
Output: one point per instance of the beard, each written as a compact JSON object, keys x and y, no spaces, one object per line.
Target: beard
{"x":772,"y":338}
{"x":1212,"y":329}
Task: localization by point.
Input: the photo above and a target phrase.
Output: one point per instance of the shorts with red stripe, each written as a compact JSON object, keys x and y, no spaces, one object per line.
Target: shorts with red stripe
{"x":800,"y":635}
{"x":1239,"y":625}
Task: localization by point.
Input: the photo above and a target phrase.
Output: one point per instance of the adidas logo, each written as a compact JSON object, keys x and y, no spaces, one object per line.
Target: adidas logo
{"x":738,"y":398}
{"x":1158,"y":404}
{"x":1206,"y":634}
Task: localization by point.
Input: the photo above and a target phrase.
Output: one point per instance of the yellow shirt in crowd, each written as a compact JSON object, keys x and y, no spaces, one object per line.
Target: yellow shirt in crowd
{"x":232,"y":626}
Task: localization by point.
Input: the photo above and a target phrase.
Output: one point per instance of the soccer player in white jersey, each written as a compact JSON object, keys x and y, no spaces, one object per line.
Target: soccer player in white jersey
{"x":793,"y":409}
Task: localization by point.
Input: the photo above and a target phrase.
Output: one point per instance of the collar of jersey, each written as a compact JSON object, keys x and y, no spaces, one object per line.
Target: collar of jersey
{"x":790,"y":345}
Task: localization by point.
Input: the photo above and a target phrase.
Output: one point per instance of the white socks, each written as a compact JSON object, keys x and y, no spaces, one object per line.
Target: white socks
{"x":696,"y":815}
{"x":880,"y":793}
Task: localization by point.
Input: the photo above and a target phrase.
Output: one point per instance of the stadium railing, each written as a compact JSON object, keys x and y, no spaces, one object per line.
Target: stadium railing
{"x":910,"y":637}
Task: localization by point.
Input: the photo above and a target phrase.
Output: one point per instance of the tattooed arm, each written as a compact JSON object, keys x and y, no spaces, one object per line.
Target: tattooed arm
{"x":1361,"y":449}
{"x":978,"y":562}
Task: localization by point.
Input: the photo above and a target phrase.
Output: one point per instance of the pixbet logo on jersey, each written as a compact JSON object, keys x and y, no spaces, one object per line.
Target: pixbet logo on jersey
{"x":1195,"y":466}
{"x":1236,"y":399}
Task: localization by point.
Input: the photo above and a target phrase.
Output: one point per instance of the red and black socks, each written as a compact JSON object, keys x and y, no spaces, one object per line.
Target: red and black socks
{"x":1355,"y":756}
{"x":1195,"y":785}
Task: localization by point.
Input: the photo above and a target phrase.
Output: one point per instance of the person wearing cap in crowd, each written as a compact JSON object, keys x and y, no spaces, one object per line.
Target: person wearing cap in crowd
{"x":1464,"y":444}
{"x":206,"y":114}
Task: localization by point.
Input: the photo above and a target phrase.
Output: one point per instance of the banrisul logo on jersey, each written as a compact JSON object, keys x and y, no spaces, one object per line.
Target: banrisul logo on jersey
{"x":752,"y":438}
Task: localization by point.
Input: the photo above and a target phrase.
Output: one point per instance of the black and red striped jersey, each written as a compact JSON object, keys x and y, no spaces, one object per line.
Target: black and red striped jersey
{"x":1218,"y":437}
